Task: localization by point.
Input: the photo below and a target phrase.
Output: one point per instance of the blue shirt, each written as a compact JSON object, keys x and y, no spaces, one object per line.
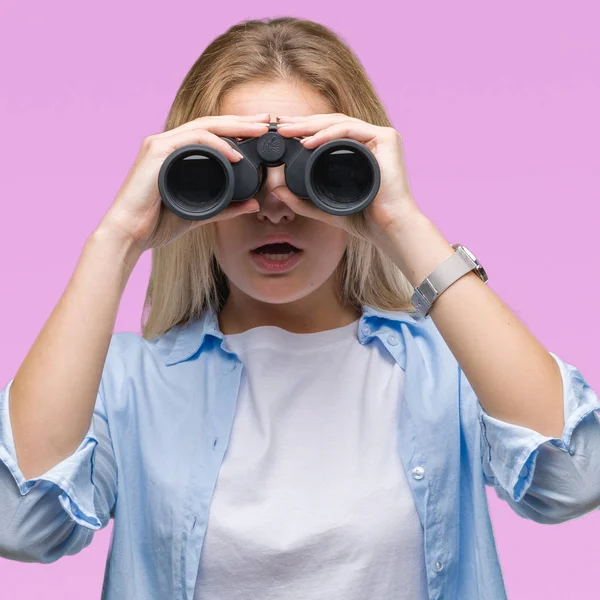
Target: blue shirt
{"x":161,"y":426}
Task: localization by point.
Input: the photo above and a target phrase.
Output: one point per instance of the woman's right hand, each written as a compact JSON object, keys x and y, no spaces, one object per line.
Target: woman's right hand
{"x":138,"y":213}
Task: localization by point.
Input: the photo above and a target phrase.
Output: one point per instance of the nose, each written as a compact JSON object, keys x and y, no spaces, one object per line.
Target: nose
{"x":271,"y":207}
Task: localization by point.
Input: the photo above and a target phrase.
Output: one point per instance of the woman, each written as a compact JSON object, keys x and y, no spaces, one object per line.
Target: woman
{"x":287,"y":426}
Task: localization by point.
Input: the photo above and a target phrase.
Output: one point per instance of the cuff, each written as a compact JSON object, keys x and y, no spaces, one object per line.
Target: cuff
{"x":512,"y":450}
{"x":73,"y":475}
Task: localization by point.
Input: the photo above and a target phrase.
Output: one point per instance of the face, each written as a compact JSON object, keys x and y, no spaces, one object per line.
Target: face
{"x":272,"y":274}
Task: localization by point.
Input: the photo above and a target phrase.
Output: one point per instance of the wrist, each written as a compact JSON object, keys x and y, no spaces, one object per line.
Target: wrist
{"x":116,"y":244}
{"x":417,"y":247}
{"x":111,"y":229}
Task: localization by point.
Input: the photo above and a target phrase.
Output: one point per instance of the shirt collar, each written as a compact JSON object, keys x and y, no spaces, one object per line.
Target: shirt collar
{"x":189,"y":337}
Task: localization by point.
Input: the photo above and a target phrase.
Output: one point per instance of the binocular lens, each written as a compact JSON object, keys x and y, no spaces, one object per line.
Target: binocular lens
{"x":342,"y":177}
{"x":197,"y":183}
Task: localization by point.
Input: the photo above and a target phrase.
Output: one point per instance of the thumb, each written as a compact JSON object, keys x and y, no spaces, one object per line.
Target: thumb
{"x":305,"y":208}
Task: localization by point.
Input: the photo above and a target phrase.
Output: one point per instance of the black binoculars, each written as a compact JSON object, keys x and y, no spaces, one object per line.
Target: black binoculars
{"x":341,"y":176}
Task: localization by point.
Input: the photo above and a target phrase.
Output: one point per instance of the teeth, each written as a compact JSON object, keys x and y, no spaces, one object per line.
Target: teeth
{"x":277,"y":256}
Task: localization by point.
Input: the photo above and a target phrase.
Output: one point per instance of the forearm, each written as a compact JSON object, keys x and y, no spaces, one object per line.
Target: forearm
{"x":515,"y":378}
{"x":54,"y":391}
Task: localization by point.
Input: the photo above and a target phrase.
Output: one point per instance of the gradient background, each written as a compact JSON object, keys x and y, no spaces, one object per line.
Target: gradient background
{"x":498,"y":109}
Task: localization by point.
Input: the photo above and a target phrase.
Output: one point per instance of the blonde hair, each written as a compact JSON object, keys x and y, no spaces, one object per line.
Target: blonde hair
{"x":185,"y":278}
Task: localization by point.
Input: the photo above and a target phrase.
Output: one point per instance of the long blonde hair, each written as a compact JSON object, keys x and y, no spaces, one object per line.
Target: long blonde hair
{"x":185,"y":278}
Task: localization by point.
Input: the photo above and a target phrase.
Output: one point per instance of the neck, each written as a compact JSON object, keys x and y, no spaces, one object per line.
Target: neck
{"x":319,"y":311}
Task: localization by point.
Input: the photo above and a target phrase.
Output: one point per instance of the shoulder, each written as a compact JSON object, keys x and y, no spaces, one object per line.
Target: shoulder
{"x":412,"y":322}
{"x":128,"y":347}
{"x":419,"y":336}
{"x":132,"y":361}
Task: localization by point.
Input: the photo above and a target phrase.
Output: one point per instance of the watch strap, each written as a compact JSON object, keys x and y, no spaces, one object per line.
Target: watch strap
{"x":452,"y":269}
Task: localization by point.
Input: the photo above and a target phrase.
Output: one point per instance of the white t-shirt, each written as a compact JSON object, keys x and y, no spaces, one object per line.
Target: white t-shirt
{"x":312,"y":501}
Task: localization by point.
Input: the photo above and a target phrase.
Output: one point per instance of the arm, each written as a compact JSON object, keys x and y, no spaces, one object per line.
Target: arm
{"x":58,"y":474}
{"x":54,"y":434}
{"x":54,"y":390}
{"x":56,"y":514}
{"x":486,"y":338}
{"x":540,"y":426}
{"x":549,"y":480}
{"x":524,"y":393}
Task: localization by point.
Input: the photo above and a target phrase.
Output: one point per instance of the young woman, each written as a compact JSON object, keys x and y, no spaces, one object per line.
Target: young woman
{"x":288,"y":425}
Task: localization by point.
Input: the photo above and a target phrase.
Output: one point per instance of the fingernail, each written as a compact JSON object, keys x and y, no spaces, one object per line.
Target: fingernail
{"x":263,"y":115}
{"x":239,"y":154}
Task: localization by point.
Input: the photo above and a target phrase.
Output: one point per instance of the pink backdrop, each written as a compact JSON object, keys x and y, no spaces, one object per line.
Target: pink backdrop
{"x":498,"y":108}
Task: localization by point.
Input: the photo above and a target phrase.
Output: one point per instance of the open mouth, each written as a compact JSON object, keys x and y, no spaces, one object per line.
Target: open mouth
{"x":280,"y":251}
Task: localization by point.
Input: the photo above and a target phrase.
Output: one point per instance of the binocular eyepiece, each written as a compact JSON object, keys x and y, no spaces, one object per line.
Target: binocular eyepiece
{"x":341,"y":176}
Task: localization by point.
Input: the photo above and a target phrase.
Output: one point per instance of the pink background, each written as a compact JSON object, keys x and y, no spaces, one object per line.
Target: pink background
{"x":498,"y":108}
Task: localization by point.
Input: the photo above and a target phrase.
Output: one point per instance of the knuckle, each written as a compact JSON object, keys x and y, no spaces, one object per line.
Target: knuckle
{"x":147,"y":141}
{"x":391,"y":132}
{"x":151,"y":143}
{"x":201,"y":132}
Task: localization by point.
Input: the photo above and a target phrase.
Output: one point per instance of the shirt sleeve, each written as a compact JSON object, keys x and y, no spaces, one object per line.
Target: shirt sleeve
{"x":57,"y":512}
{"x":549,"y":480}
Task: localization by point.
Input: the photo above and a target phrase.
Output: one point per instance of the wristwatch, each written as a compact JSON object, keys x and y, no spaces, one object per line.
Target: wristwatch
{"x":453,"y":268}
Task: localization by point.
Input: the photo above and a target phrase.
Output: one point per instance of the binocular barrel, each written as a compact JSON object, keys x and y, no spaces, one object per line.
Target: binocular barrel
{"x":341,"y":176}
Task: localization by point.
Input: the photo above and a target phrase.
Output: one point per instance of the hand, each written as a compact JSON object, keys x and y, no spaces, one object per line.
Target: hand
{"x":394,"y":202}
{"x":138,"y":213}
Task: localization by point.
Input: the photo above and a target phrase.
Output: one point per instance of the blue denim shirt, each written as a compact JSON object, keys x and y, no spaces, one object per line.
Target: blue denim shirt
{"x":161,"y":426}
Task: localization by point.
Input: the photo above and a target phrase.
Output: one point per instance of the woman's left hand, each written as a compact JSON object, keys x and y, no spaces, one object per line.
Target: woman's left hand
{"x":393,"y":203}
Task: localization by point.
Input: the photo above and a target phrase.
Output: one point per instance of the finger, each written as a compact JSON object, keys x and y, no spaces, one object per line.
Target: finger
{"x":261,"y":117}
{"x":208,"y":120}
{"x":162,"y":146}
{"x":356,"y":130}
{"x":225,"y":128}
{"x":306,"y":208}
{"x":309,"y":127}
{"x":299,"y":118}
{"x":239,"y":208}
{"x":211,"y":136}
{"x":235,"y":209}
{"x":234,"y":127}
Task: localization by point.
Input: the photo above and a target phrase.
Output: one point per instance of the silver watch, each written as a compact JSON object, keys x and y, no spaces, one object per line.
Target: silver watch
{"x":453,"y":268}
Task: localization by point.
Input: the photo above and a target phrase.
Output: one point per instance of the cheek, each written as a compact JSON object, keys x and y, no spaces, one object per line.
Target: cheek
{"x":326,"y":251}
{"x":330,"y":240}
{"x":227,"y":246}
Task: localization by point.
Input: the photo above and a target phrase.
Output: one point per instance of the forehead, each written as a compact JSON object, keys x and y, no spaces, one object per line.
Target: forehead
{"x":276,"y":98}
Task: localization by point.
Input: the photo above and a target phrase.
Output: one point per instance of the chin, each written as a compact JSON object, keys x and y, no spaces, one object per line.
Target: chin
{"x":272,"y":297}
{"x":278,"y":290}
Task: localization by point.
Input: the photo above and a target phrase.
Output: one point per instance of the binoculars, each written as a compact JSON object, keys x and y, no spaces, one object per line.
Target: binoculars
{"x":341,"y":176}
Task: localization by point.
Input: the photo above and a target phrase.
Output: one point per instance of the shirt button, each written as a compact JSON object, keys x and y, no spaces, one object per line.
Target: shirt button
{"x":365,"y":329}
{"x":418,"y":472}
{"x":438,"y":566}
{"x":392,"y":339}
{"x":524,"y":471}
